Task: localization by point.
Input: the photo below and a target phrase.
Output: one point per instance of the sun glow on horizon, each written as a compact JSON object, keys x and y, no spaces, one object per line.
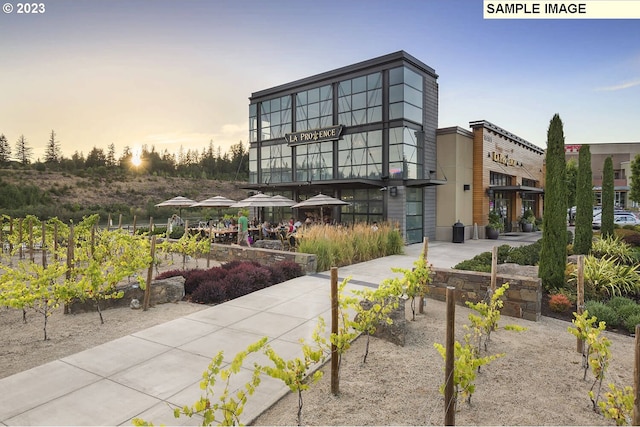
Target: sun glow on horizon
{"x":136,"y":157}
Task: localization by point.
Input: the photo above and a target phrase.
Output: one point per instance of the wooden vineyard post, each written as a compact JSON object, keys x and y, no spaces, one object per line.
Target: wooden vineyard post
{"x":93,"y":239}
{"x":210,"y":242}
{"x":70,"y":256}
{"x":120,"y":222}
{"x":147,"y":289}
{"x":32,"y":255}
{"x":109,"y":222}
{"x":21,"y":251}
{"x":10,"y":233}
{"x":134,"y":225}
{"x":55,"y":241}
{"x":449,"y":398}
{"x":44,"y":244}
{"x":636,"y":381}
{"x":185,"y":235}
{"x":335,"y":378}
{"x":494,"y":268}
{"x":580,"y":298}
{"x":425,"y":249}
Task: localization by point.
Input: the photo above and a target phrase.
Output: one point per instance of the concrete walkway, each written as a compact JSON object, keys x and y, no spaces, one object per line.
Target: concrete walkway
{"x":148,"y":373}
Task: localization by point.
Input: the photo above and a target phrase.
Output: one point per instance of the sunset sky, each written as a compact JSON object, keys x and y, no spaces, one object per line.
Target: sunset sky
{"x":179,"y":73}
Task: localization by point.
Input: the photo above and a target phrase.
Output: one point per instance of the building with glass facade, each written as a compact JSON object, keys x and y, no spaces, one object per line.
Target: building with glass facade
{"x":365,"y":134}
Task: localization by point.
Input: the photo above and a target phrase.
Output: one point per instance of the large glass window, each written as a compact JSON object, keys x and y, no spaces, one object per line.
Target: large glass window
{"x":253,"y":123}
{"x":405,"y":154}
{"x":496,"y":178}
{"x":366,"y":206}
{"x":360,"y":100}
{"x":314,"y":108}
{"x":405,"y":94}
{"x":275,"y":163}
{"x":253,"y":165}
{"x":360,"y":155}
{"x":275,"y":118}
{"x":314,"y":162}
{"x":414,"y":215}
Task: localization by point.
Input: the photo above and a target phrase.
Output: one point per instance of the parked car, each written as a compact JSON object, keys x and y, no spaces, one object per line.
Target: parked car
{"x":620,"y":218}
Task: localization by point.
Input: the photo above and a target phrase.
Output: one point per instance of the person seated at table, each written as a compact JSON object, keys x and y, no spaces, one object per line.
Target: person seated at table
{"x":297,"y":224}
{"x":290,"y":226}
{"x":267,"y":230}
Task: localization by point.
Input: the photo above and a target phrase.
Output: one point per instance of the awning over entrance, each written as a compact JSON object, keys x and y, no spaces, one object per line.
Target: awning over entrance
{"x":515,"y":189}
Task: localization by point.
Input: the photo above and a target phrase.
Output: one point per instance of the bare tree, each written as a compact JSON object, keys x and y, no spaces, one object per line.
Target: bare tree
{"x":23,"y":151}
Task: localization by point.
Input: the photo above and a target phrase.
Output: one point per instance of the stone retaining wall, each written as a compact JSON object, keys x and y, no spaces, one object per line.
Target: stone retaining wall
{"x":523,"y":299}
{"x":226,"y":253}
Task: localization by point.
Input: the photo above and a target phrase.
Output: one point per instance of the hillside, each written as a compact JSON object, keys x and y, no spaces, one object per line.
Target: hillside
{"x":136,"y":193}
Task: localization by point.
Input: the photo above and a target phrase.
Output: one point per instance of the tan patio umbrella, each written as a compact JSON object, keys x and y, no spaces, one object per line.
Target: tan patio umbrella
{"x":178,"y":202}
{"x":320,"y":201}
{"x":214,"y":202}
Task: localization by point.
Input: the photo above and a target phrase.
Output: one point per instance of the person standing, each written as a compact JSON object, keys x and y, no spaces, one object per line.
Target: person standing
{"x":243,"y":229}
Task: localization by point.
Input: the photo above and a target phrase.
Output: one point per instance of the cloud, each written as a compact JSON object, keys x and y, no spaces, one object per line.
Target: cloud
{"x":622,"y":86}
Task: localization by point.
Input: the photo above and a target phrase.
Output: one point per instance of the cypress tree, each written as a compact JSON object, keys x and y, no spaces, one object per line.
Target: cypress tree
{"x":606,"y":217}
{"x":634,"y":193}
{"x":584,"y":206}
{"x":553,"y":252}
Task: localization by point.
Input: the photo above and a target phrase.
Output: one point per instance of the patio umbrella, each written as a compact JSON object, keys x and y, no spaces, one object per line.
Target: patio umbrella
{"x":320,"y":201}
{"x":177,"y":202}
{"x":259,"y":200}
{"x":282,"y":201}
{"x":214,"y":202}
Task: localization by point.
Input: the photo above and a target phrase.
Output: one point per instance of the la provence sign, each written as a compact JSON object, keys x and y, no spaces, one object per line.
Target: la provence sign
{"x":314,"y":135}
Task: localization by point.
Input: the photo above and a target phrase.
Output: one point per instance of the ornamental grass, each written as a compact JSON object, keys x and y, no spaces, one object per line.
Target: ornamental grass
{"x":337,"y":246}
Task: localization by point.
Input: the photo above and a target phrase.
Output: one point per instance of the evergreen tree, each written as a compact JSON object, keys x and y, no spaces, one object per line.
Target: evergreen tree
{"x":5,"y":150}
{"x":606,"y":217}
{"x":553,"y":253}
{"x":52,"y":153}
{"x":572,"y":178}
{"x":23,"y":151}
{"x":634,"y":192}
{"x":584,"y":206}
{"x":111,"y":155}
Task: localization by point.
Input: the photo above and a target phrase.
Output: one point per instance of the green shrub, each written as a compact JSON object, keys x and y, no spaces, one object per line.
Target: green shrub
{"x":630,"y":322}
{"x":618,"y":302}
{"x":525,"y":255}
{"x":474,"y":265}
{"x":626,"y":311}
{"x":603,"y":313}
{"x":604,"y":278}
{"x":613,"y":247}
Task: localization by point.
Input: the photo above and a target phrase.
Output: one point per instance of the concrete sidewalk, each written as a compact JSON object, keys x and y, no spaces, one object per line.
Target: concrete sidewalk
{"x":148,"y":373}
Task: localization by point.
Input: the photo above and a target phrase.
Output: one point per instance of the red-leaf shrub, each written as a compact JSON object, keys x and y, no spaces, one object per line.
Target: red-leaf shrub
{"x":277,"y":275}
{"x":209,"y":292}
{"x":259,"y":278}
{"x":559,"y":303}
{"x":193,"y":279}
{"x":290,"y":269}
{"x":236,"y":285}
{"x":629,"y":236}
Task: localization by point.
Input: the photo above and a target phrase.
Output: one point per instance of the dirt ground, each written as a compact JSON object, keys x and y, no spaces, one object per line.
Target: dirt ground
{"x":538,"y":381}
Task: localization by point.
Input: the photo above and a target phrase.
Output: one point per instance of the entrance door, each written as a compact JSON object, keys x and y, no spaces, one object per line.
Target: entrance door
{"x":502,"y":205}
